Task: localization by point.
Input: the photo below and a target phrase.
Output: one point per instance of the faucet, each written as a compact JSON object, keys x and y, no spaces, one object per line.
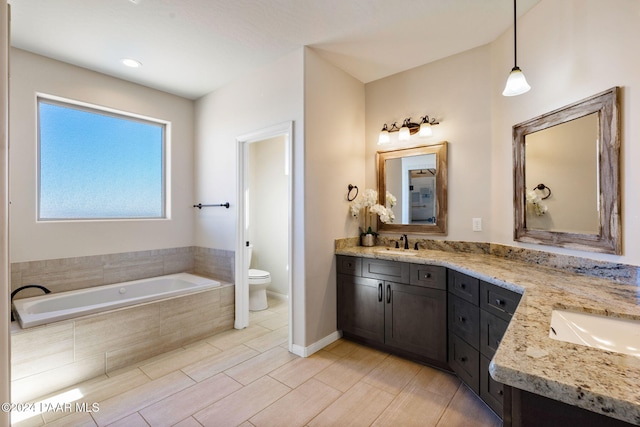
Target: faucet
{"x":13,"y":294}
{"x":406,"y":241}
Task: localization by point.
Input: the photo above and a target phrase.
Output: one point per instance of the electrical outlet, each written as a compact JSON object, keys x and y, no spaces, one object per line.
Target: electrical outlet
{"x":477,"y":224}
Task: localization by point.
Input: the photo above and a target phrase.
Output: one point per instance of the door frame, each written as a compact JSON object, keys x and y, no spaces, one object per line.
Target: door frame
{"x":284,"y":129}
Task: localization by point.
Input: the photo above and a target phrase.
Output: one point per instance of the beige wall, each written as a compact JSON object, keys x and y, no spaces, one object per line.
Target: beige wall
{"x":264,"y":97}
{"x":457,"y":92}
{"x":30,"y":240}
{"x":586,"y":47}
{"x":334,"y":149}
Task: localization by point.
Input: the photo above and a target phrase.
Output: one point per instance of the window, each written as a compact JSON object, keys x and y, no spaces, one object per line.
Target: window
{"x":98,"y":164}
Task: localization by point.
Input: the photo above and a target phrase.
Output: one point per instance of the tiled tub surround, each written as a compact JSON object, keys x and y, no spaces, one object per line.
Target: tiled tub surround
{"x":68,"y":274}
{"x":603,"y":382}
{"x":50,"y":357}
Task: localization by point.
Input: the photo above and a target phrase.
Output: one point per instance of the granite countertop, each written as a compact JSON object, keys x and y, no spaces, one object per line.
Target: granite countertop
{"x":601,"y":381}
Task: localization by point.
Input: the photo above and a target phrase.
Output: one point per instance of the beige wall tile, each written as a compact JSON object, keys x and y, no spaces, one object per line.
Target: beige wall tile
{"x":254,"y":368}
{"x":243,"y":404}
{"x":359,"y":406}
{"x":41,"y":348}
{"x":183,"y":404}
{"x":298,"y":406}
{"x":116,"y":329}
{"x":120,"y":406}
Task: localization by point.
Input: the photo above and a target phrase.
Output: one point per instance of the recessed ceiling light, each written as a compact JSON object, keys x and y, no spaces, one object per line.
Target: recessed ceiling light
{"x":129,"y":62}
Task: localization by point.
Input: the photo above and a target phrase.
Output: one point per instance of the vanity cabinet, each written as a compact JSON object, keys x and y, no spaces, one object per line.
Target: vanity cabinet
{"x":396,"y":306}
{"x":479,"y":314}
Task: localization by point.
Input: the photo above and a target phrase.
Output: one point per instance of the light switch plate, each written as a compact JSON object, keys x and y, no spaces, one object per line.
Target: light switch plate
{"x":477,"y":224}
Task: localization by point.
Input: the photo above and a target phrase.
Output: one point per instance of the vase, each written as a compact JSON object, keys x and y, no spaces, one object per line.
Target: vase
{"x":368,"y":240}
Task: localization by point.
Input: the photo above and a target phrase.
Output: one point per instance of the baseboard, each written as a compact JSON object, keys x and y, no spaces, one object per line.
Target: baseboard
{"x":277,"y":295}
{"x":316,"y":346}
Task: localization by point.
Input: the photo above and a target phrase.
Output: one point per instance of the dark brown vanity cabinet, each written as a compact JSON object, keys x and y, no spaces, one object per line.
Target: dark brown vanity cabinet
{"x":479,"y":314}
{"x":398,"y":306}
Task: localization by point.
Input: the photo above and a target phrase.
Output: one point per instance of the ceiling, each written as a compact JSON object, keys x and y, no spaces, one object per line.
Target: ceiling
{"x":192,"y":47}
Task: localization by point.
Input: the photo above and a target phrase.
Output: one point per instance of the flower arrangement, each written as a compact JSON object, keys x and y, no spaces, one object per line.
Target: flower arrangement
{"x":368,"y":204}
{"x":536,"y":203}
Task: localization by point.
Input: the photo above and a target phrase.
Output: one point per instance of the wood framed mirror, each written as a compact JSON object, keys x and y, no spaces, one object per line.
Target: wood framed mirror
{"x":417,"y":177}
{"x":567,"y":176}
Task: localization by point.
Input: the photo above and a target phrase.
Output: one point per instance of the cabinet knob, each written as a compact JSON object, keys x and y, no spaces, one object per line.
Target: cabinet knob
{"x":499,"y":302}
{"x":501,"y":393}
{"x":463,"y":286}
{"x":461,"y":319}
{"x":427,"y":276}
{"x":463,"y":359}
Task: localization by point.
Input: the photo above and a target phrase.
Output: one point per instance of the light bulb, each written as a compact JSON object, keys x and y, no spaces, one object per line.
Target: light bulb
{"x":404,"y":133}
{"x":384,"y":137}
{"x":425,"y":130}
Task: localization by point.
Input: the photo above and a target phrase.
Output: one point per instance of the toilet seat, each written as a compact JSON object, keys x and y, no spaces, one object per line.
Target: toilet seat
{"x":258,"y":274}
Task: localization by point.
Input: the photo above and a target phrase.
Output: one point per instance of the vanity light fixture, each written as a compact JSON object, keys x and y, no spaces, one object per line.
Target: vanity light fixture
{"x":407,"y":129}
{"x":516,"y":83}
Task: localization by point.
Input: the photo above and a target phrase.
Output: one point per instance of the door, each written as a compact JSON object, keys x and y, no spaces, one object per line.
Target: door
{"x":361,"y":307}
{"x":416,"y":320}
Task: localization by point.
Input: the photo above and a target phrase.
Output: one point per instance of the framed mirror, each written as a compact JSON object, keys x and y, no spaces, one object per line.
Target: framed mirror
{"x":417,"y":177}
{"x":566,"y":176}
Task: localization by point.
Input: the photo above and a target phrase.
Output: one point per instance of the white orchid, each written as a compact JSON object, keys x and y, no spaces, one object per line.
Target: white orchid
{"x":536,"y":202}
{"x":368,"y":202}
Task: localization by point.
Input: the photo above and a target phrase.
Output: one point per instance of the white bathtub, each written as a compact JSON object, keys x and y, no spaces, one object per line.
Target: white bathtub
{"x":58,"y":306}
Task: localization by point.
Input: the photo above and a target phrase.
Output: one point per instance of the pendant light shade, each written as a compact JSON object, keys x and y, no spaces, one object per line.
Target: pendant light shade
{"x":516,"y":82}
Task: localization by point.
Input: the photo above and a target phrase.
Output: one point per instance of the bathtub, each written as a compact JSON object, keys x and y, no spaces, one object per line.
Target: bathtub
{"x":54,"y":307}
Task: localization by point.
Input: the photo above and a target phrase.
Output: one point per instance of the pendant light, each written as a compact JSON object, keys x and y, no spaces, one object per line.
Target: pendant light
{"x":516,"y":83}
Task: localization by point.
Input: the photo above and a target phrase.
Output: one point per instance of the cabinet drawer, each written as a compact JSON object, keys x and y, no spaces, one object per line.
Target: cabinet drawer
{"x":499,"y":301}
{"x":464,"y":320}
{"x":429,"y":276}
{"x":385,"y":270}
{"x":349,"y":265}
{"x":491,"y":391}
{"x":492,"y":330}
{"x":466,"y":287}
{"x":465,"y":361}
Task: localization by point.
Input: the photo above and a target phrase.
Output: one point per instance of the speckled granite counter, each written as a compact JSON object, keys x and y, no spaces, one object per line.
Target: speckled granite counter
{"x":603,"y":382}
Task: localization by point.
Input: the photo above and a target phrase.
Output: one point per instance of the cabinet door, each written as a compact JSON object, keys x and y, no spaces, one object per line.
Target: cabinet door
{"x":416,"y":320}
{"x":361,"y":307}
{"x":464,"y":320}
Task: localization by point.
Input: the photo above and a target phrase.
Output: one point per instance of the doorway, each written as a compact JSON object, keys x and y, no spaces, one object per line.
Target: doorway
{"x":264,"y":215}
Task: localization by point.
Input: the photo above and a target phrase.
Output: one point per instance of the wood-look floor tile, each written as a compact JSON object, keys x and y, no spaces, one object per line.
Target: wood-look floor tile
{"x":189,"y":422}
{"x":217,"y":363}
{"x":124,"y":404}
{"x":243,"y":404}
{"x":297,"y":407}
{"x":341,"y":347}
{"x":269,"y":340}
{"x":350,"y":369}
{"x":178,"y":359}
{"x":393,"y":374}
{"x":254,"y":368}
{"x":359,"y":406}
{"x":299,"y":370}
{"x":416,"y":405}
{"x":133,"y":420}
{"x":275,"y":322}
{"x":466,"y":409}
{"x":235,"y":337}
{"x":77,"y":419}
{"x":187,"y":402}
{"x":436,"y":381}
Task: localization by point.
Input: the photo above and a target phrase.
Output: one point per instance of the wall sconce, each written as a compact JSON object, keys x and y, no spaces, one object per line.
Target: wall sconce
{"x":408,"y":128}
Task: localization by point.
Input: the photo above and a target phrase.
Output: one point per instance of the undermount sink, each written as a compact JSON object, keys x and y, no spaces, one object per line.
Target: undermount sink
{"x":593,"y":330}
{"x":389,"y":251}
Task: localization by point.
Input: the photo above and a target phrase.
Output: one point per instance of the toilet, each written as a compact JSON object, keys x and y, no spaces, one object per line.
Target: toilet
{"x":258,"y":282}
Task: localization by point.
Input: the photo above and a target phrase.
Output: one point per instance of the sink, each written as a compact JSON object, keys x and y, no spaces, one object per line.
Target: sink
{"x":389,"y":251}
{"x":593,"y":330}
